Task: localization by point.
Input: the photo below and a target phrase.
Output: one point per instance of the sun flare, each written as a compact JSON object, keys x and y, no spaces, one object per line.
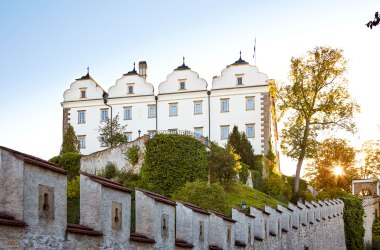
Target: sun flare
{"x":338,"y":171}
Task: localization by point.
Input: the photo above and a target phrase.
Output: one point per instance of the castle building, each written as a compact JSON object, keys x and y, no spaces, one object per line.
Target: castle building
{"x":239,"y":96}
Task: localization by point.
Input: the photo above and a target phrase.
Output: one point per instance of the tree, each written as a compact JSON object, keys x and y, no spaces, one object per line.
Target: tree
{"x":333,"y":166}
{"x":371,"y":151}
{"x":111,"y":132}
{"x":375,"y":21}
{"x":239,"y":142}
{"x":70,"y":143}
{"x":316,"y":100}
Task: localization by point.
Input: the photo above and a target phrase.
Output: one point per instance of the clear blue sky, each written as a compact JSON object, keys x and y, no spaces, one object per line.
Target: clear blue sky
{"x":45,"y":45}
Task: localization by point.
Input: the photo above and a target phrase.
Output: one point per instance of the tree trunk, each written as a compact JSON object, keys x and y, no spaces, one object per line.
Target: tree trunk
{"x":296,"y":183}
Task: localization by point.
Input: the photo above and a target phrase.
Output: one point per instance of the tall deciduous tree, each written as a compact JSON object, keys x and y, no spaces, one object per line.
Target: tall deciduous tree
{"x":371,"y":167}
{"x":333,"y":155}
{"x":70,"y":143}
{"x":316,"y":100}
{"x":111,"y":132}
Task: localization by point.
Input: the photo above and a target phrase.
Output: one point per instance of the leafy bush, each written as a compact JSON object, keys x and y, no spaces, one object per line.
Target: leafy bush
{"x":331,"y":193}
{"x":133,"y":154}
{"x":110,"y":170}
{"x":69,"y":162}
{"x":172,"y":160}
{"x":243,"y":175}
{"x":73,"y":188}
{"x":275,"y":186}
{"x":199,"y":193}
{"x":376,"y":234}
{"x":353,"y":222}
{"x":128,"y":179}
{"x":73,"y":210}
{"x":257,"y":180}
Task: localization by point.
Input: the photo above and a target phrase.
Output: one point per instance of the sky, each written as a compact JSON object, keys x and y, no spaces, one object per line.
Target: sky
{"x":45,"y":45}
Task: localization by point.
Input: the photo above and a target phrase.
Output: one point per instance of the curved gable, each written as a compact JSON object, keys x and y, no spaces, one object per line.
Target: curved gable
{"x":189,"y":77}
{"x":140,"y":86}
{"x":89,"y":85}
{"x":250,"y":77}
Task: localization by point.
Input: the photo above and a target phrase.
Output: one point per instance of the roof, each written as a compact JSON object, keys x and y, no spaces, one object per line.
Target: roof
{"x":183,"y":66}
{"x":80,"y":229}
{"x":183,"y":244}
{"x":132,"y":72}
{"x":223,"y":217}
{"x":35,"y":160}
{"x":85,"y":77}
{"x":9,"y":220}
{"x":195,"y":208}
{"x":158,"y":197}
{"x":240,"y":61}
{"x":106,"y":183}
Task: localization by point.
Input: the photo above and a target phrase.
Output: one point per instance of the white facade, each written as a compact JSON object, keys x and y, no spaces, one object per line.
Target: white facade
{"x":240,"y":96}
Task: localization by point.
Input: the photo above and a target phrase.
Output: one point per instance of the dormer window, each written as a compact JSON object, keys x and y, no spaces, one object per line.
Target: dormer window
{"x":182,"y":85}
{"x":239,"y":79}
{"x":130,"y":89}
{"x":83,"y":93}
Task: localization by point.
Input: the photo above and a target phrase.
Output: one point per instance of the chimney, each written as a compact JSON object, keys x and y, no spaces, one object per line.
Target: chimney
{"x":142,"y":69}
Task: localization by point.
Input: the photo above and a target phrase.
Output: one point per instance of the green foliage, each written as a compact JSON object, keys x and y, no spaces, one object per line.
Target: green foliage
{"x":353,"y":222}
{"x":129,"y":179}
{"x":258,"y":165}
{"x":172,"y":160}
{"x":73,"y":210}
{"x":133,"y":154}
{"x":317,"y":100}
{"x":73,"y":188}
{"x":69,"y":162}
{"x":270,"y":155}
{"x":110,"y":171}
{"x":257,"y":180}
{"x":376,"y":234}
{"x":199,"y":193}
{"x":239,"y":142}
{"x":331,"y":193}
{"x":70,"y":143}
{"x":276,"y":187}
{"x":111,"y":132}
{"x":222,"y":166}
{"x":243,"y":175}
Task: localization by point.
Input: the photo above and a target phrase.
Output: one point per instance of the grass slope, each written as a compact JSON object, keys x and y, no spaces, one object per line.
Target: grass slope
{"x":240,"y":192}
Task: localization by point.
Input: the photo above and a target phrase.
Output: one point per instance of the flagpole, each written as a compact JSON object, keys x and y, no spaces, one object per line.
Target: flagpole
{"x":254,"y":51}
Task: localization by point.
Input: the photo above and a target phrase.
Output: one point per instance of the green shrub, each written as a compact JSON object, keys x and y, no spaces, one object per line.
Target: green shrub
{"x":110,"y":170}
{"x":353,"y":222}
{"x":376,"y":232}
{"x":133,"y":154}
{"x":275,"y":186}
{"x":128,"y":179}
{"x":211,"y":197}
{"x":171,"y":161}
{"x":243,"y":175}
{"x":257,"y":180}
{"x":73,"y":210}
{"x":73,"y":188}
{"x":69,"y":162}
{"x":331,"y":193}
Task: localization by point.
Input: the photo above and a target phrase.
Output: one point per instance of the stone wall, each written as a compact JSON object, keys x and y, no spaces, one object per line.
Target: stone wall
{"x":96,"y":161}
{"x":35,"y":217}
{"x":371,"y":211}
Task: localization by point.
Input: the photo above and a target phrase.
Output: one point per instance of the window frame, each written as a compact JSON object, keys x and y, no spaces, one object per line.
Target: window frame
{"x":128,"y":135}
{"x":81,"y":121}
{"x":155,"y":110}
{"x":170,"y":109}
{"x":221,"y":131}
{"x":130,"y":112}
{"x":247,"y":98}
{"x":130,"y":87}
{"x":83,"y":93}
{"x":83,"y":139}
{"x":101,"y":114}
{"x":201,"y":107}
{"x":195,"y":133}
{"x":104,"y":143}
{"x":251,"y":125}
{"x":227,"y":100}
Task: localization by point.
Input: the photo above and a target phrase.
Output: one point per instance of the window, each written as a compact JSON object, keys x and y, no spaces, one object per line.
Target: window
{"x":82,"y":141}
{"x":250,"y":130}
{"x":103,"y":115}
{"x":198,"y":132}
{"x":250,"y":103}
{"x":239,"y":80}
{"x":128,"y":136}
{"x":83,"y":93}
{"x":103,"y":141}
{"x":151,"y":133}
{"x":173,"y":109}
{"x":224,"y":131}
{"x":128,"y":113}
{"x":151,"y":111}
{"x":130,"y":89}
{"x":197,"y":108}
{"x":224,"y":105}
{"x":182,"y":85}
{"x":82,"y":116}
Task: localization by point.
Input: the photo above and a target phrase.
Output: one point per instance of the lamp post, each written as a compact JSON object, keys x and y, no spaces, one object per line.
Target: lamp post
{"x":139,"y":132}
{"x":105,"y":100}
{"x":244,"y":205}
